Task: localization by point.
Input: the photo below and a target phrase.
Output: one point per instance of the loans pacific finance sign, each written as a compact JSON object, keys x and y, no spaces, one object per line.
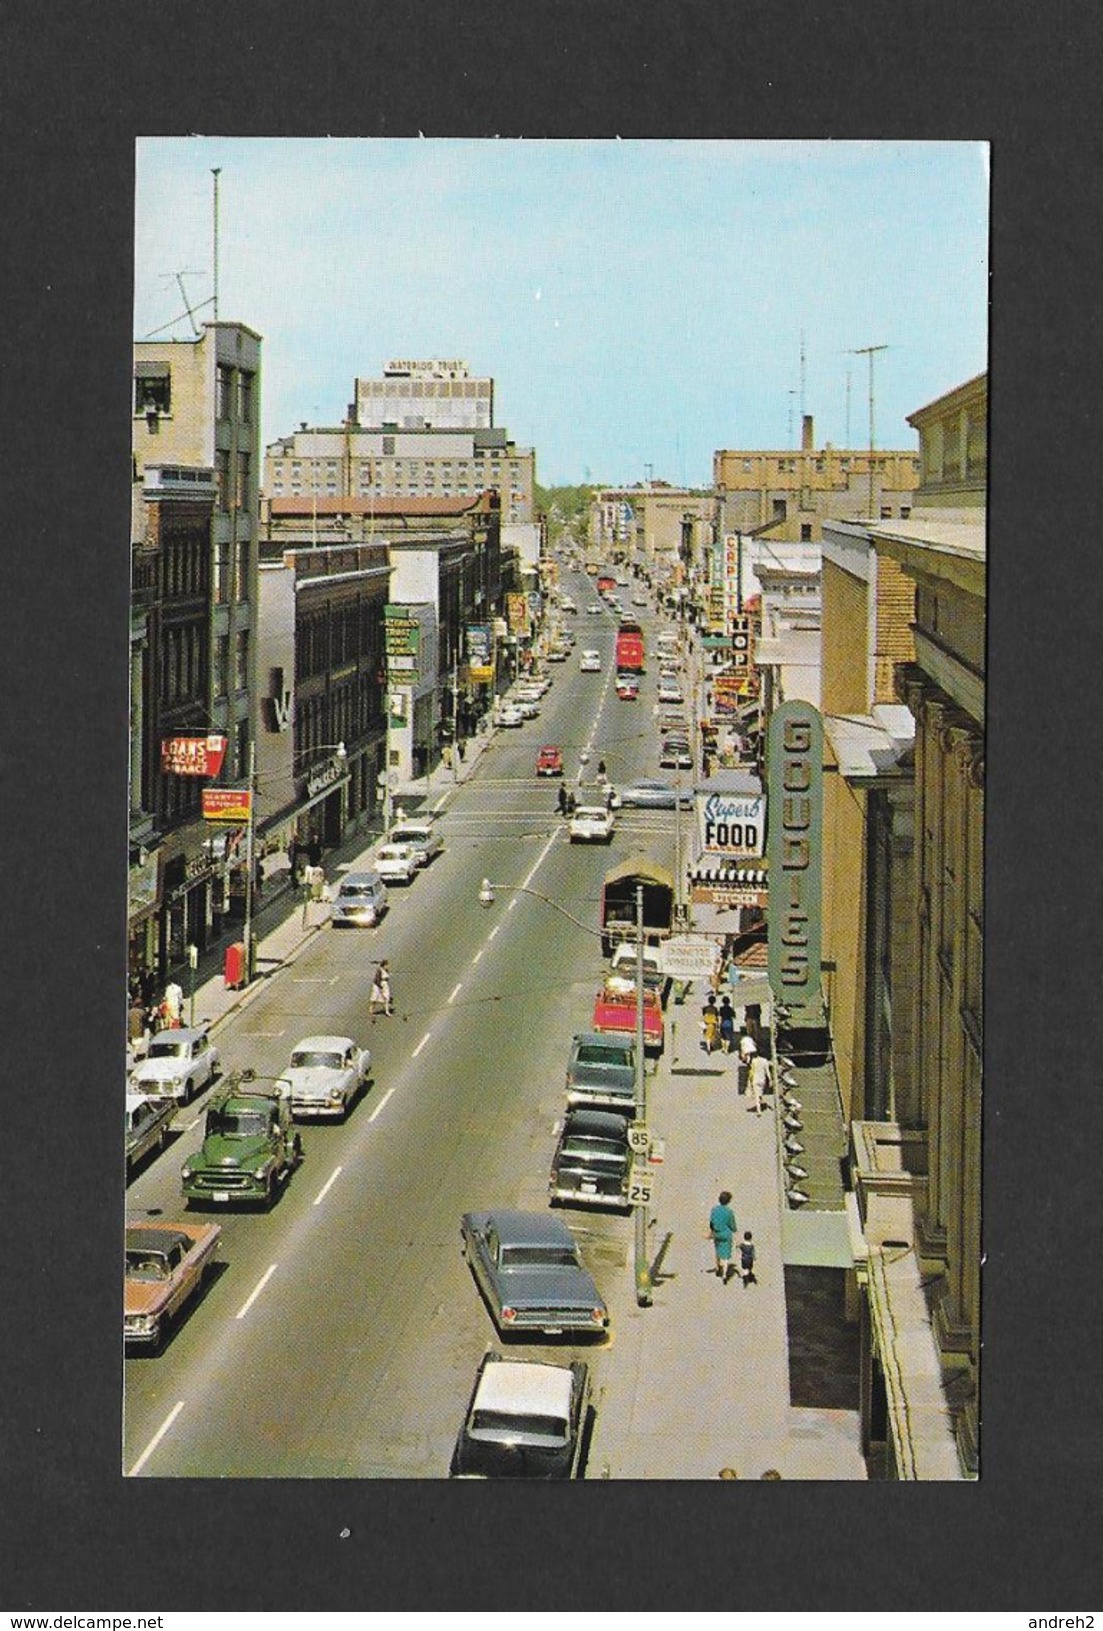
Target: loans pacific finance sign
{"x":795,"y":851}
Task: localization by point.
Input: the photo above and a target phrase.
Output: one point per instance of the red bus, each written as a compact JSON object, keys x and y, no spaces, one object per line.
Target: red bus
{"x":629,"y":648}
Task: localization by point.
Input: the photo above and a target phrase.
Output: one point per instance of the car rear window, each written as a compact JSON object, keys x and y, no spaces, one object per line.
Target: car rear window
{"x":604,"y":1056}
{"x":546,"y":1430}
{"x":516,"y":1257}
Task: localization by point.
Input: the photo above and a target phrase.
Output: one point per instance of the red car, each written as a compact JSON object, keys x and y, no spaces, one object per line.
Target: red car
{"x":549,"y":762}
{"x":615,"y":1013}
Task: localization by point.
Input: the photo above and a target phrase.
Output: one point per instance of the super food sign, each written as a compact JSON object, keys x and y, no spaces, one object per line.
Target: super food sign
{"x":795,"y":849}
{"x":730,"y":824}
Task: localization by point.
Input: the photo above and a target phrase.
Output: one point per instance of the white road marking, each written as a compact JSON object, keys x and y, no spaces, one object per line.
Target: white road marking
{"x":512,"y":904}
{"x":456,"y":991}
{"x":157,"y":1437}
{"x":478,"y":954}
{"x":325,"y":1189}
{"x":421,"y":1044}
{"x":256,"y":1291}
{"x":493,"y":932}
{"x":381,"y":1103}
{"x":192,"y":1124}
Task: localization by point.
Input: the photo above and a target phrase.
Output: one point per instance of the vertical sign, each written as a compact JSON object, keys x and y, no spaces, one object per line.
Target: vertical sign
{"x":795,"y":850}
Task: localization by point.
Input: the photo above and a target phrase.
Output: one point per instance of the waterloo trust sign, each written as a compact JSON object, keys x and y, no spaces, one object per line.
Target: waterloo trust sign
{"x":795,"y":850}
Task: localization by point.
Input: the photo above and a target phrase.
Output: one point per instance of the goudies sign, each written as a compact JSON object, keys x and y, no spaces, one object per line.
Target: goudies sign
{"x":795,"y":850}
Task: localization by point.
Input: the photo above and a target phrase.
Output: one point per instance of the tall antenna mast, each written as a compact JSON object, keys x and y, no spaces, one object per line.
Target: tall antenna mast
{"x":802,"y":381}
{"x":216,"y":174}
{"x":868,"y":351}
{"x":847,"y":442}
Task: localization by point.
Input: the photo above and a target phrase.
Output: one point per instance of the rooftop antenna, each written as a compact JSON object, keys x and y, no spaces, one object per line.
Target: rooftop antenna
{"x":868,"y":351}
{"x":791,"y":394}
{"x":216,"y":173}
{"x":802,"y":377}
{"x":180,"y":276}
{"x":847,"y":442}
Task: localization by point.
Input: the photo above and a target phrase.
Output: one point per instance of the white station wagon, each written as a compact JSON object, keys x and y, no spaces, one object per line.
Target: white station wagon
{"x":178,"y":1065}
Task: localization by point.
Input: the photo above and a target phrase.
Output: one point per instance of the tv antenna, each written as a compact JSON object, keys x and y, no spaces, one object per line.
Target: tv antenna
{"x":869,"y":351}
{"x":189,"y":310}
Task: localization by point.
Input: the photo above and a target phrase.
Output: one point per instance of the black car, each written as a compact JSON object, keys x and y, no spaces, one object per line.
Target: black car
{"x":591,"y":1160}
{"x":601,"y":1073}
{"x":525,"y":1419}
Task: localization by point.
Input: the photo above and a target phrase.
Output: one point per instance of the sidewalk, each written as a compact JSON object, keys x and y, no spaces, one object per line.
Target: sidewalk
{"x":699,"y":1381}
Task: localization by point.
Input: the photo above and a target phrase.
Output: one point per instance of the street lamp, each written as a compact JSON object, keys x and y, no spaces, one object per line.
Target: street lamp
{"x":486,"y":898}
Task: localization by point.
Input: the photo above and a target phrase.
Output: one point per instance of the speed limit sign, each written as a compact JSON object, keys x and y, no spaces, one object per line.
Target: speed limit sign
{"x":639,"y":1187}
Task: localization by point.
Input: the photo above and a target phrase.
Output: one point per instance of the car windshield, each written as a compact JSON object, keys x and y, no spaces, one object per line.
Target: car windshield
{"x":357,"y":891}
{"x":521,"y":1257}
{"x":593,"y":1149}
{"x":304,"y":1058}
{"x":167,"y":1049}
{"x":534,"y":1430}
{"x":594,"y":1055}
{"x":237,"y":1123}
{"x":146,"y":1266}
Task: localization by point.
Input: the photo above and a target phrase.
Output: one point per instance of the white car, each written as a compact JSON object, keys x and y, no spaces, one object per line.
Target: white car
{"x":527,"y":708}
{"x":510,"y":716}
{"x":396,"y":863}
{"x":590,"y":662}
{"x":178,"y":1065}
{"x":594,"y":609}
{"x":670,"y":692}
{"x":326,"y":1074}
{"x":591,"y":824}
{"x":421,"y":836}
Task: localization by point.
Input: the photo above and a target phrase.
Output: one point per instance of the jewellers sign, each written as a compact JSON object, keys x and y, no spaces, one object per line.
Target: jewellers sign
{"x":731,"y":823}
{"x":192,"y":755}
{"x":795,"y":849}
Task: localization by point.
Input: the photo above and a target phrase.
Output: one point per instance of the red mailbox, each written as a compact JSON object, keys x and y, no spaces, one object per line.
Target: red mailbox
{"x":234,"y":971}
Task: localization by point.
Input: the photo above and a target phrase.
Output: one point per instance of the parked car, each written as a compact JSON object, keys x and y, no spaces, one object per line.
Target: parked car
{"x":675,"y":755}
{"x":528,"y":1267}
{"x":148,"y":1121}
{"x":646,"y":793}
{"x":628,"y":687}
{"x":601,"y":1073}
{"x":591,"y":1160}
{"x":616,"y":1013}
{"x":525,"y":1419}
{"x":527,"y":708}
{"x":670,"y":691}
{"x":566,"y":604}
{"x":178,"y":1064}
{"x":510,"y":716}
{"x":396,"y":863}
{"x":421,"y":836}
{"x":361,"y":900}
{"x":591,"y":824}
{"x":326,"y":1075}
{"x":639,"y":598}
{"x":164,"y":1265}
{"x":549,"y":761}
{"x":558,"y":653}
{"x":590,"y":662}
{"x":621,"y":973}
{"x":594,"y":609}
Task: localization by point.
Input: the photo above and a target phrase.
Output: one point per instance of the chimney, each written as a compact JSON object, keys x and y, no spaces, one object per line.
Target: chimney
{"x":807,"y":441}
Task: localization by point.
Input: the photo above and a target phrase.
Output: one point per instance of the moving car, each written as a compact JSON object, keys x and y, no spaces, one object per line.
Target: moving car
{"x":178,"y":1064}
{"x":527,"y":708}
{"x":164,"y":1265}
{"x":525,"y":1419}
{"x":566,"y":604}
{"x":601,"y":1073}
{"x":421,"y":836}
{"x":591,"y":824}
{"x":147,"y":1125}
{"x":639,"y":598}
{"x":591,"y":1160}
{"x":549,"y":761}
{"x":396,"y":863}
{"x":590,"y":662}
{"x":628,"y":687}
{"x":326,"y":1074}
{"x":648,"y":794}
{"x":361,"y":899}
{"x":510,"y":715}
{"x":249,"y":1144}
{"x":594,"y":609}
{"x":528,"y":1267}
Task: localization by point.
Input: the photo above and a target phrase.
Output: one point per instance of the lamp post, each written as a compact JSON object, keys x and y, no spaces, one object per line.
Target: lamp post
{"x":486,"y":898}
{"x":193,"y":959}
{"x":249,"y":839}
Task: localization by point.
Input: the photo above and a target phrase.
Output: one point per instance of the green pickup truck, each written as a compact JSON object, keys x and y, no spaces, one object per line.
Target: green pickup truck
{"x":250,"y":1145}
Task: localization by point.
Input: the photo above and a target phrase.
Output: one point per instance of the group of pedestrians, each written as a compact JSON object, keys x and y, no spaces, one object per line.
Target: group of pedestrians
{"x":722,"y":1232}
{"x":718,"y":1033}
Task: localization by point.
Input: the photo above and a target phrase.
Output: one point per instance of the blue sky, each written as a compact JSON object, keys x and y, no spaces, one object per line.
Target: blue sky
{"x":638,"y":304}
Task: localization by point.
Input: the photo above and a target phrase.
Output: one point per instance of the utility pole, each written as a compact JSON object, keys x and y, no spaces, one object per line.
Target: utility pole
{"x":643,"y":1273}
{"x":868,"y":351}
{"x":216,"y":174}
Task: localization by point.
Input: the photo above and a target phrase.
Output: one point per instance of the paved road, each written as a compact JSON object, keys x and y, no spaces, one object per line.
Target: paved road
{"x":341,"y":1335}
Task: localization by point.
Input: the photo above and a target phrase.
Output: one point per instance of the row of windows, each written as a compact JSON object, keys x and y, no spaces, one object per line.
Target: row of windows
{"x":185,"y":566}
{"x":182,"y":668}
{"x":366,"y":469}
{"x":351,"y":710}
{"x":233,"y":388}
{"x":232,"y":475}
{"x":232,"y":584}
{"x":351,"y":632}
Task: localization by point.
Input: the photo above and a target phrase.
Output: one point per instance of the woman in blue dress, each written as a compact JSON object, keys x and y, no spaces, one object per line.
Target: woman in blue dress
{"x":722,"y":1229}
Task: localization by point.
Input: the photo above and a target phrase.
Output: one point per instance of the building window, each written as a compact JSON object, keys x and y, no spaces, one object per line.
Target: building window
{"x":224,"y":391}
{"x":780,"y":509}
{"x":905,"y":511}
{"x":388,"y":445}
{"x":245,"y":397}
{"x":222,"y":665}
{"x":222,"y":477}
{"x":244,"y":546}
{"x":241,"y":661}
{"x":152,"y":390}
{"x":886,"y":511}
{"x":241,"y":494}
{"x":241,"y":748}
{"x":806,"y":532}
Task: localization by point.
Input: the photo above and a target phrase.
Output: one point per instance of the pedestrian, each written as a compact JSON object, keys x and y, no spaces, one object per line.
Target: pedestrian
{"x":172,"y":1006}
{"x":385,"y":986}
{"x":747,"y":1051}
{"x":722,"y":1231}
{"x":601,"y":772}
{"x":758,"y":1080}
{"x":572,"y":804}
{"x":727,"y":1024}
{"x":561,"y":799}
{"x":746,"y":1259}
{"x":380,"y":990}
{"x":710,"y":1025}
{"x":136,"y":1024}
